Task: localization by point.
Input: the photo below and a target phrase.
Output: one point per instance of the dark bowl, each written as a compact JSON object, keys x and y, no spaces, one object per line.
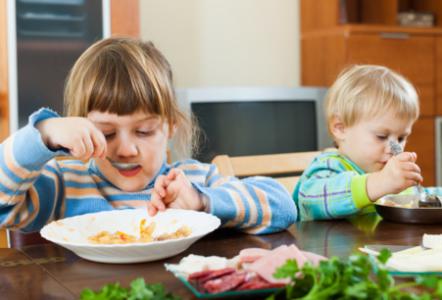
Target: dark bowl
{"x":404,"y":209}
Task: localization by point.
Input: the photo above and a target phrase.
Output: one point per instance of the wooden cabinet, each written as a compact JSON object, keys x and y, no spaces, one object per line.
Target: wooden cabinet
{"x":338,"y":33}
{"x":124,"y":16}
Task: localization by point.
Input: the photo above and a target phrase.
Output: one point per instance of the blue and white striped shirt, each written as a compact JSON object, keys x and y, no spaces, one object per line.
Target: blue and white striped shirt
{"x":36,"y":188}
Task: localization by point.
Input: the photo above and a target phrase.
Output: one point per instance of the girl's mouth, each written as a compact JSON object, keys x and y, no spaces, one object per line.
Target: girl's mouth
{"x":126,"y":169}
{"x":123,"y":166}
{"x":129,"y":172}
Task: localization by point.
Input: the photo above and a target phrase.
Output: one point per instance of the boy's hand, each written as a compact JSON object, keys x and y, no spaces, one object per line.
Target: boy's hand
{"x":78,"y":135}
{"x":174,"y":190}
{"x":400,"y":172}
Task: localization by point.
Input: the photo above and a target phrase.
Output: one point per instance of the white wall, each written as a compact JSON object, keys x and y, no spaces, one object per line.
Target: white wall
{"x":226,"y":42}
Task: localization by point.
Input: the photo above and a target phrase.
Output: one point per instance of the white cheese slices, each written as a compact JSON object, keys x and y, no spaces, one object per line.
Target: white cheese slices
{"x":432,"y":241}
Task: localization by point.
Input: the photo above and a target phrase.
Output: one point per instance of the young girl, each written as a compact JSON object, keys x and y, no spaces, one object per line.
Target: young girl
{"x":367,"y":108}
{"x":122,"y":111}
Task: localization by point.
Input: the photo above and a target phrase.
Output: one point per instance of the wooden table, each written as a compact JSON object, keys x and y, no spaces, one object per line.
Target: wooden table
{"x":51,"y":272}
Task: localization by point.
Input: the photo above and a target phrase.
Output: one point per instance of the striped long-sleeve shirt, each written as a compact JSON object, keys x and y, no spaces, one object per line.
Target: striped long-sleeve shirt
{"x":36,"y":188}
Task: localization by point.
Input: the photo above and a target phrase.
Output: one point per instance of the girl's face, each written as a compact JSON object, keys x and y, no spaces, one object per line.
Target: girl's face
{"x":136,"y":144}
{"x":366,"y":143}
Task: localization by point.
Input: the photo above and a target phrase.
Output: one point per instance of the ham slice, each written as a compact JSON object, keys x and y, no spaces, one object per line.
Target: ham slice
{"x":314,"y":258}
{"x":225,"y":283}
{"x":252,"y":269}
{"x":257,"y":283}
{"x":206,"y":275}
{"x":250,"y":255}
{"x":267,"y":264}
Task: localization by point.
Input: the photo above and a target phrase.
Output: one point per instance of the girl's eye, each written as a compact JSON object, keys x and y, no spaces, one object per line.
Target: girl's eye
{"x":382,"y":137}
{"x":109,"y":136}
{"x":402,"y":139}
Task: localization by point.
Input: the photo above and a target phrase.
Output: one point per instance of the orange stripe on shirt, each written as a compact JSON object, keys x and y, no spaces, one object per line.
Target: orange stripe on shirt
{"x":24,"y":218}
{"x":131,"y":203}
{"x":7,"y":199}
{"x":266,"y":211}
{"x":192,"y":167}
{"x":74,"y":165}
{"x":253,"y":211}
{"x":240,"y":209}
{"x":13,"y":165}
{"x":73,"y":192}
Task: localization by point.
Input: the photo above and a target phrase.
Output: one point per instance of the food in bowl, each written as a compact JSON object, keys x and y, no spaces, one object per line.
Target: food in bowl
{"x":404,"y":201}
{"x":73,"y":232}
{"x":146,"y":235}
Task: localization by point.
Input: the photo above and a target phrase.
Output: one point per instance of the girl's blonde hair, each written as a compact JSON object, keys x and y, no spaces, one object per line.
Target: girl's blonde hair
{"x":124,"y":75}
{"x":363,"y":91}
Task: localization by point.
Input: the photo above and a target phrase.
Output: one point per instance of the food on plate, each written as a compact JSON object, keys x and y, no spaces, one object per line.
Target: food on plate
{"x":251,"y":269}
{"x":433,"y":241}
{"x":146,"y":235}
{"x":389,"y":202}
{"x":417,"y":259}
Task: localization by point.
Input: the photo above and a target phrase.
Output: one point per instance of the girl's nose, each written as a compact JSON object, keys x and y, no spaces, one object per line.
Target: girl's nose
{"x":126,"y":147}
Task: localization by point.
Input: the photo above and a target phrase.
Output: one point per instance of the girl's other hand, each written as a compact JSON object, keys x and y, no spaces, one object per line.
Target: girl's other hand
{"x":78,"y":135}
{"x":400,"y":173}
{"x":174,"y":190}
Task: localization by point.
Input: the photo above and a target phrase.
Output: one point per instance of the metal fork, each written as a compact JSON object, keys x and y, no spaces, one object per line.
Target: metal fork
{"x":425,"y":200}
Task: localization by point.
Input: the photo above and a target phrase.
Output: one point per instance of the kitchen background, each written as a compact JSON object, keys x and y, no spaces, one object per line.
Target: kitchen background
{"x":229,"y":42}
{"x":232,"y":43}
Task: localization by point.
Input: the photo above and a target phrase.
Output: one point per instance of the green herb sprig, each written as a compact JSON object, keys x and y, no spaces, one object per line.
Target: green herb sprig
{"x":357,"y":278}
{"x":139,"y":290}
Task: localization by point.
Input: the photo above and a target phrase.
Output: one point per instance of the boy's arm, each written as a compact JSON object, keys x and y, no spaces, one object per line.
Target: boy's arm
{"x":29,"y":188}
{"x":255,"y":205}
{"x":328,"y":190}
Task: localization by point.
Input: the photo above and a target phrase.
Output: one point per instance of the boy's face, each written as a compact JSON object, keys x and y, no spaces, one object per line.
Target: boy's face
{"x":138,"y":139}
{"x":366,"y":143}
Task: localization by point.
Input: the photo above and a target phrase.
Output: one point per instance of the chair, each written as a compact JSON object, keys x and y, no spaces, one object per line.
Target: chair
{"x":285,"y":168}
{"x":3,"y":238}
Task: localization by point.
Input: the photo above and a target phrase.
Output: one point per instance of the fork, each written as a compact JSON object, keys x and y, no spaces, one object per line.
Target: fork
{"x":425,"y":200}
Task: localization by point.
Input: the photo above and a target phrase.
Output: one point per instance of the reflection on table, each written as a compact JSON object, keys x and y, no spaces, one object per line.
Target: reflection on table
{"x":51,"y":272}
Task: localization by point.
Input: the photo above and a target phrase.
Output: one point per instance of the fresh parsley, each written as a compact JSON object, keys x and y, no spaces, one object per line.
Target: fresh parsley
{"x":359,"y":278}
{"x":139,"y":290}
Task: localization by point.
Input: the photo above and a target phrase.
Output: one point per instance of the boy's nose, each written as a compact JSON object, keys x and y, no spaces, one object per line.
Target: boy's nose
{"x":394,"y":147}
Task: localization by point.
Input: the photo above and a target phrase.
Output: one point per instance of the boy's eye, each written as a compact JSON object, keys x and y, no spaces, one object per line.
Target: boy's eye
{"x":402,"y":139}
{"x":145,"y":132}
{"x":382,"y":137}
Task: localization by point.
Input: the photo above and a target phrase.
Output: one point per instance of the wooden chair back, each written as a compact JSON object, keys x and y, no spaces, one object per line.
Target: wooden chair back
{"x":285,"y":167}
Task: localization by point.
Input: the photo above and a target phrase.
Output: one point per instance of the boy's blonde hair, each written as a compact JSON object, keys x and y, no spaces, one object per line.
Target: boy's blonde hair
{"x":124,"y":75}
{"x":363,"y":91}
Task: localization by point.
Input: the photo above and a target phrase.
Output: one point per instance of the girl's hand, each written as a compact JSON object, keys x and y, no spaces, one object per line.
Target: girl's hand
{"x":78,"y":135}
{"x":174,"y":190}
{"x":400,"y":172}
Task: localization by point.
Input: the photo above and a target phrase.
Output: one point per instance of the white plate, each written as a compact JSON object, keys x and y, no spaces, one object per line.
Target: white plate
{"x":72,"y":233}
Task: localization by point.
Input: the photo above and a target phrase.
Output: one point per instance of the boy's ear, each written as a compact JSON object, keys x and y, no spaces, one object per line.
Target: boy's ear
{"x":337,"y":128}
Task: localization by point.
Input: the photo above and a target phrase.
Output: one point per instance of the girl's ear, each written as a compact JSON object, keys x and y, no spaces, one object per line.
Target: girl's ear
{"x":172,"y":130}
{"x":337,"y":129}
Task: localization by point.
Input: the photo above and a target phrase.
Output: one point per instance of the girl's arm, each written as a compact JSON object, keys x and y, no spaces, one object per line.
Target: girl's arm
{"x":255,"y":205}
{"x":30,"y":189}
{"x":327,"y":190}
